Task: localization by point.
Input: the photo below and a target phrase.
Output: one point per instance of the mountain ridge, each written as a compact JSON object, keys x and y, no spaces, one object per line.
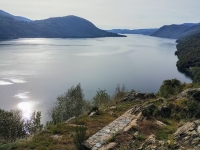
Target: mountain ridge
{"x":19,"y":18}
{"x":55,"y":27}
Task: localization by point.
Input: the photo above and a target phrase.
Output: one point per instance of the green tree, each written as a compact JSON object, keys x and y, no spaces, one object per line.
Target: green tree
{"x":68,"y":105}
{"x":101,"y":98}
{"x":11,"y":125}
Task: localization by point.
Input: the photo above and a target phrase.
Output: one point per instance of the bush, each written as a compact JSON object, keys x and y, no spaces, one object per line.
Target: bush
{"x":70,"y":104}
{"x":170,"y":88}
{"x":149,"y":110}
{"x":101,"y":98}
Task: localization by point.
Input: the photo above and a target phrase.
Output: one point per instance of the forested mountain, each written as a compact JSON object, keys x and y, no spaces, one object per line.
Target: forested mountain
{"x":59,"y":27}
{"x":19,"y":18}
{"x":136,"y":31}
{"x":170,"y":31}
{"x":175,"y":31}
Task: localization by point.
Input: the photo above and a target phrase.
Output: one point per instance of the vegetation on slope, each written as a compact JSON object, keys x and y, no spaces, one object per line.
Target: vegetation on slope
{"x":188,"y":52}
{"x":62,"y":135}
{"x":176,"y":31}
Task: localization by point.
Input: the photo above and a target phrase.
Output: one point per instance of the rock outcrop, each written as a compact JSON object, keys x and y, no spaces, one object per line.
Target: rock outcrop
{"x":191,"y":92}
{"x":137,"y":96}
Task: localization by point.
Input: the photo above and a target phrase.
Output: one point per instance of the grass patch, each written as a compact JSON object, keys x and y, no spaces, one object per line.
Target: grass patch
{"x":166,"y":132}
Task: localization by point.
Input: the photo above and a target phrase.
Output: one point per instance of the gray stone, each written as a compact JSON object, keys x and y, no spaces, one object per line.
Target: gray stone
{"x":92,"y":114}
{"x":98,"y":145}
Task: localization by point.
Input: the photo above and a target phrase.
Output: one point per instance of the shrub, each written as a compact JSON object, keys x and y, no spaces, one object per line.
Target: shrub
{"x":170,"y":88}
{"x":149,"y":110}
{"x":68,"y":105}
{"x":120,"y":92}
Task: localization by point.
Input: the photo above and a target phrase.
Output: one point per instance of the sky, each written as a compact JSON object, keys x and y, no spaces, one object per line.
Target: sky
{"x":110,"y":14}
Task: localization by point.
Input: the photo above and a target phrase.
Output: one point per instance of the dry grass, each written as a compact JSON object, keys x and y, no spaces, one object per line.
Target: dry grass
{"x":147,"y":127}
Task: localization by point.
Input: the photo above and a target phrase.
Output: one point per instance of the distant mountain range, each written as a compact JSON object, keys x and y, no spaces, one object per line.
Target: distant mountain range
{"x":174,"y":31}
{"x":136,"y":31}
{"x":58,"y":27}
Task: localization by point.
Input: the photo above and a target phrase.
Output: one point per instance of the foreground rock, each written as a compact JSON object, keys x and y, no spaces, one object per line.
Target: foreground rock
{"x":102,"y":137}
{"x":188,"y":135}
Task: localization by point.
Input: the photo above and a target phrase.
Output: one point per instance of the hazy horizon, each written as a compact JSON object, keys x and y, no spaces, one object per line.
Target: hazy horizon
{"x":110,"y":14}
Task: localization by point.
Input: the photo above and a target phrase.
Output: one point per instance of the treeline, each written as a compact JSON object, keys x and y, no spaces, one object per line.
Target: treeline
{"x":188,"y":52}
{"x":13,"y":126}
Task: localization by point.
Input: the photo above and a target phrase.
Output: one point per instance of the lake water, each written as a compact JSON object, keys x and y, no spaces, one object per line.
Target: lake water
{"x":33,"y":72}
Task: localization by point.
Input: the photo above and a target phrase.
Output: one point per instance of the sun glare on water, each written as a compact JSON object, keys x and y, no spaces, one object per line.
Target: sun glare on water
{"x":26,"y":105}
{"x":26,"y":109}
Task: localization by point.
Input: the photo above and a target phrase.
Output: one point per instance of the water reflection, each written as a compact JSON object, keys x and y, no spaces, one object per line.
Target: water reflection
{"x":16,"y":80}
{"x":4,"y":82}
{"x":23,"y":96}
{"x":8,"y":81}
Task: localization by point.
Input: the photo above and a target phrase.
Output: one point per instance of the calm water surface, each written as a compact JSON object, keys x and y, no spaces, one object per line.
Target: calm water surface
{"x":33,"y":72}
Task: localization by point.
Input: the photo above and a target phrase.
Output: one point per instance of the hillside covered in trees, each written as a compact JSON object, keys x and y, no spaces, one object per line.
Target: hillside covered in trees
{"x":188,"y":52}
